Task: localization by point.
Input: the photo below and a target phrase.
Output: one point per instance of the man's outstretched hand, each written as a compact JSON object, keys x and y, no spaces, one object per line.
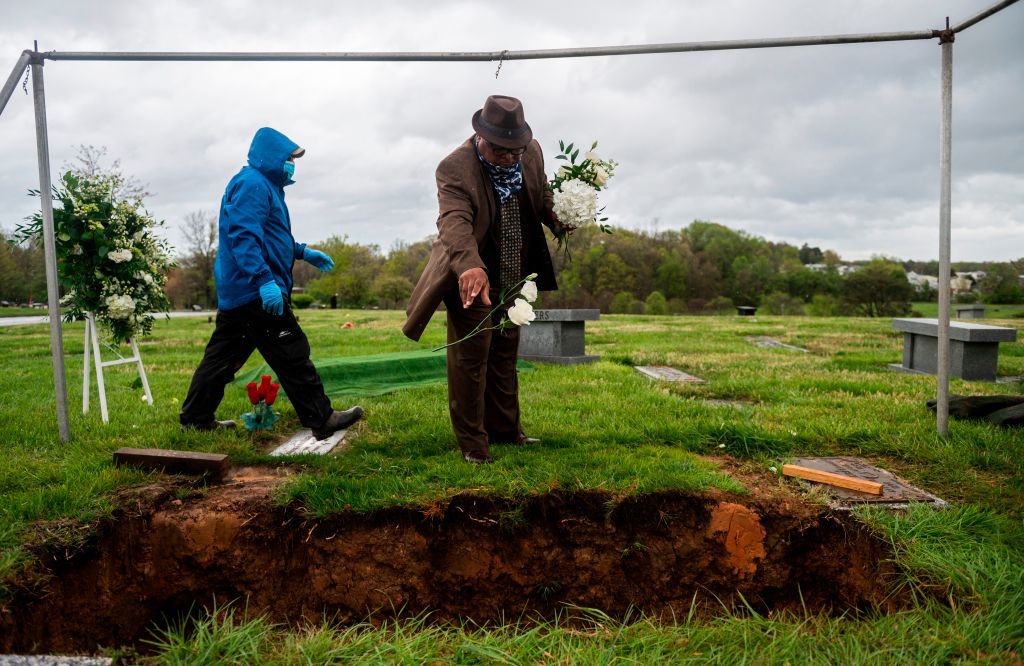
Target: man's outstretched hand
{"x":318,"y":259}
{"x":474,"y":283}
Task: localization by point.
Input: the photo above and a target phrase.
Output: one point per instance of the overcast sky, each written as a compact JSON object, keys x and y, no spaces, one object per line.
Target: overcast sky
{"x":835,"y":146}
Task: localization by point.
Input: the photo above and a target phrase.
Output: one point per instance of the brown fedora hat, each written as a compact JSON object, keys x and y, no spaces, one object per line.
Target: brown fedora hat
{"x":502,"y":122}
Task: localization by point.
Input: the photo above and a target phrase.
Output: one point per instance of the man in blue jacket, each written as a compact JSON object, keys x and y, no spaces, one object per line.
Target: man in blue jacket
{"x":253,"y":273}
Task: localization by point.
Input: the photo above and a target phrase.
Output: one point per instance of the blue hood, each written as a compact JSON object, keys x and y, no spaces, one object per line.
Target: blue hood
{"x":269,"y":151}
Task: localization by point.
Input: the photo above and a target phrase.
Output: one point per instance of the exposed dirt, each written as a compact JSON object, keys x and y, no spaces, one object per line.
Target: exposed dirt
{"x":473,"y":557}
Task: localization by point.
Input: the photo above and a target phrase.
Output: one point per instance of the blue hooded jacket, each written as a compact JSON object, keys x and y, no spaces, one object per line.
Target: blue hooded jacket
{"x":256,"y":243}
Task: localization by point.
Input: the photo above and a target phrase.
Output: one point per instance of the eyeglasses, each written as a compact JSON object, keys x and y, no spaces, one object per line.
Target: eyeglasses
{"x":499,"y":151}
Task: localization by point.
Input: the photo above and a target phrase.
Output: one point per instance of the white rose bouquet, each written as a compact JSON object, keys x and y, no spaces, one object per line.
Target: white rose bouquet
{"x":110,"y":261}
{"x":574,"y":188}
{"x":520,"y":314}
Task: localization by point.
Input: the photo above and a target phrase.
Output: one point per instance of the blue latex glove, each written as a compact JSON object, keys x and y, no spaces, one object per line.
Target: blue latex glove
{"x":273,"y":299}
{"x":318,"y":259}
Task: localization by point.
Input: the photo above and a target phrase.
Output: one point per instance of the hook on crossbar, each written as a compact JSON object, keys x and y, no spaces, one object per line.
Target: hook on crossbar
{"x":501,"y":61}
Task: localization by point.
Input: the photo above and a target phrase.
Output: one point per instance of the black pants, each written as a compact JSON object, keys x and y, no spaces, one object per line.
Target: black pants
{"x":283,"y":345}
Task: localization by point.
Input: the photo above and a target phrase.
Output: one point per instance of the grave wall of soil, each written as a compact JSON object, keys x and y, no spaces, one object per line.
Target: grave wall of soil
{"x":473,"y":557}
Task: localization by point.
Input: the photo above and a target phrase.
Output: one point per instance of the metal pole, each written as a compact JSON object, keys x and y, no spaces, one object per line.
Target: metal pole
{"x":49,"y":250}
{"x":12,"y":80}
{"x":945,"y":168}
{"x":463,"y":56}
{"x":980,"y":16}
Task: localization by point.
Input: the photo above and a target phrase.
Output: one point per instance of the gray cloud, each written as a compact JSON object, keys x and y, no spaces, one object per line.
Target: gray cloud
{"x":836,"y":146}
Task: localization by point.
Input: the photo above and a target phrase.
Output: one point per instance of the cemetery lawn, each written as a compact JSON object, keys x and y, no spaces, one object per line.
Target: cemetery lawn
{"x":18,"y":311}
{"x":1011,"y":312}
{"x":603,"y":427}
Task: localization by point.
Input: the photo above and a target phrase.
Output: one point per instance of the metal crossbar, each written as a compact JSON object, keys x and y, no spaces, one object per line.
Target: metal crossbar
{"x":486,"y":56}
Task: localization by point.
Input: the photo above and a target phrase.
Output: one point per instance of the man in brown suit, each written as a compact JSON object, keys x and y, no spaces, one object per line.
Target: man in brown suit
{"x":493,"y":197}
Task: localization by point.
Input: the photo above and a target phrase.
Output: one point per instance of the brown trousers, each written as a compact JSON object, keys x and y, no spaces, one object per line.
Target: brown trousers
{"x":483,"y":387}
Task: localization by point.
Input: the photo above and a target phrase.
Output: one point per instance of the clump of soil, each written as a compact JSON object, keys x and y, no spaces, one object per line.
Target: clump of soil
{"x":474,"y":557}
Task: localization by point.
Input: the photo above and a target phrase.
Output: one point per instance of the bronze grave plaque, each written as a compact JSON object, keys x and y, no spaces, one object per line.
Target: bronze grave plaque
{"x":896,"y":493}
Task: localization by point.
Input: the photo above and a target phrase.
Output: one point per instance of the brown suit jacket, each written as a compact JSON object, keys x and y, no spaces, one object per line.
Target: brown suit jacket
{"x":466,"y":224}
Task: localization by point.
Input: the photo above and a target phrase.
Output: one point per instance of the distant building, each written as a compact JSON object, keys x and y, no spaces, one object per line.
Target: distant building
{"x":842,"y":269}
{"x":961,"y":284}
{"x":921,"y":280}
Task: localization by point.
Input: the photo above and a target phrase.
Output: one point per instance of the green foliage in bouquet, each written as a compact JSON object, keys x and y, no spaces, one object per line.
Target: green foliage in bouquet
{"x":109,"y":260}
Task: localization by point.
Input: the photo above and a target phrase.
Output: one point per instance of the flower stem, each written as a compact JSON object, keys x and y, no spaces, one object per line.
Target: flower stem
{"x":476,"y":330}
{"x":504,"y":296}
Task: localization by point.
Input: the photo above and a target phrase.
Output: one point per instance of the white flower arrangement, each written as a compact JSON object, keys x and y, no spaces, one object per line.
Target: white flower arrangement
{"x":575,"y":203}
{"x":574,"y":190}
{"x":109,"y":259}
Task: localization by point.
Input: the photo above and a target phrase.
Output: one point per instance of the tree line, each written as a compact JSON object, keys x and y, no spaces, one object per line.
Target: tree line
{"x":703,"y":267}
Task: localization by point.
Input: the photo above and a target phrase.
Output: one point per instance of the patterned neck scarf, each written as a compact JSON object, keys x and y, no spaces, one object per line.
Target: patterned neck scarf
{"x":507,"y":180}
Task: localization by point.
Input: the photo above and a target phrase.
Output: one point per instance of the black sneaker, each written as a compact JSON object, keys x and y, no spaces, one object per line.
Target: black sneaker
{"x":338,"y":421}
{"x":211,"y":425}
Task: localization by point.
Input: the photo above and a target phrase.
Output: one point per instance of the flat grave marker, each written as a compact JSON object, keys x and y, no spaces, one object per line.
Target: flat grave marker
{"x":765,"y":341}
{"x":896,"y":493}
{"x":719,"y":402}
{"x":666,"y":373}
{"x":304,"y":443}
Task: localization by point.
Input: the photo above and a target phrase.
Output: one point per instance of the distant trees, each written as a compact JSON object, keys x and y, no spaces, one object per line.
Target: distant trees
{"x":811,"y":255}
{"x":1001,"y":284}
{"x":22,"y":272}
{"x":878,"y":289}
{"x":193,"y":283}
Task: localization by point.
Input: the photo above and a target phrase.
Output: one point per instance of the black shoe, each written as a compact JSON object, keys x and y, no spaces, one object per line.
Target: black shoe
{"x":338,"y":421}
{"x":212,"y":425}
{"x":480,"y":457}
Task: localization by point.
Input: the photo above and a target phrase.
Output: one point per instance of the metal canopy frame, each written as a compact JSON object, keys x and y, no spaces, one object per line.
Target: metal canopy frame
{"x":34,"y":59}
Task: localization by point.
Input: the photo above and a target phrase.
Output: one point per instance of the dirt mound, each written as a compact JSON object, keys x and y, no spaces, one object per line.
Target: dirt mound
{"x":473,"y":557}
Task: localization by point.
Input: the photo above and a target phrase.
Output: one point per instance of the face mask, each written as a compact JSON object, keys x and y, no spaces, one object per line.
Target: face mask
{"x":289,"y":170}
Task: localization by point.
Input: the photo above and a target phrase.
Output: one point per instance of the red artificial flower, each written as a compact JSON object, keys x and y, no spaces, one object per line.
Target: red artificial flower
{"x":272,"y":393}
{"x":265,"y":386}
{"x":254,"y":393}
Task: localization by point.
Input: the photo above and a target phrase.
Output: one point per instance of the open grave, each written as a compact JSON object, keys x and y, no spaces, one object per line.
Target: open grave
{"x":176,"y":548}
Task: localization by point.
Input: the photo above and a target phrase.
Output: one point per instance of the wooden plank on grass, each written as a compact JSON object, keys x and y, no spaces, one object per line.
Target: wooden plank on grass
{"x":173,"y":462}
{"x":833,"y":479}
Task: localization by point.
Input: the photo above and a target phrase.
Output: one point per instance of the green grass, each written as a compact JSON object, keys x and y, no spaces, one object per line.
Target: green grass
{"x":928,"y":309}
{"x":16,"y":311}
{"x":604,"y":426}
